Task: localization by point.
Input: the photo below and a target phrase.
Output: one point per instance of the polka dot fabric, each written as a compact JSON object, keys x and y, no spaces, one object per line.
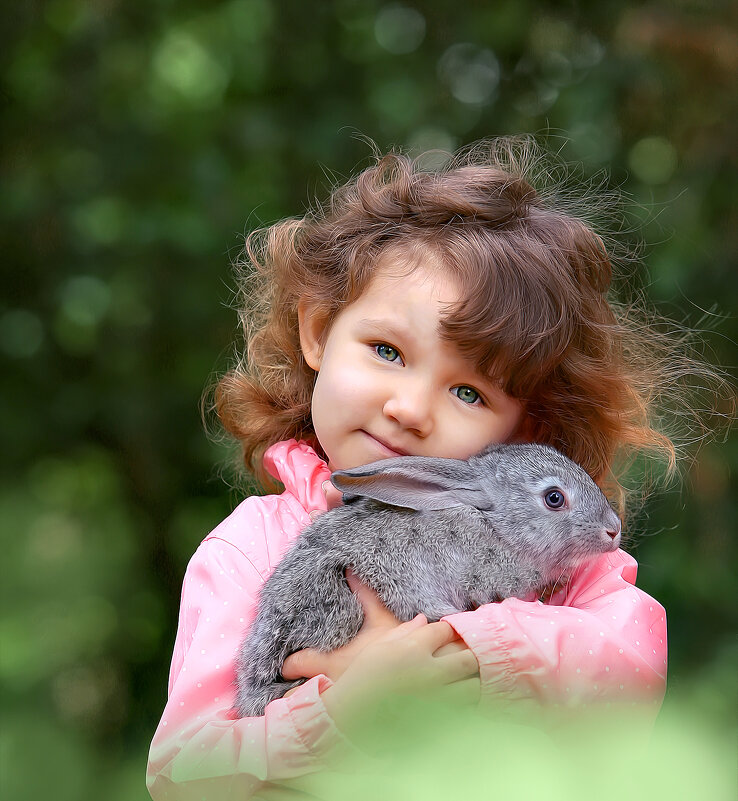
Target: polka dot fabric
{"x":598,"y":638}
{"x":604,"y":640}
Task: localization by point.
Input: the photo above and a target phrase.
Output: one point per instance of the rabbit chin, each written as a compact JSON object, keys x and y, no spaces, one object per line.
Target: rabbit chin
{"x":580,"y":557}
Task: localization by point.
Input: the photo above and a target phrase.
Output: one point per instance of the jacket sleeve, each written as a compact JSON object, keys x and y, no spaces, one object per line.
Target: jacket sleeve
{"x":606,"y":640}
{"x":200,"y":749}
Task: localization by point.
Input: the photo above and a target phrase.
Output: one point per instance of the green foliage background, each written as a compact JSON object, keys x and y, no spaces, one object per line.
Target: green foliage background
{"x":140,"y":141}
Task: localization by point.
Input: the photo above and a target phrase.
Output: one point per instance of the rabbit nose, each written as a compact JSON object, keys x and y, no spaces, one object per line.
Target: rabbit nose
{"x":613,"y":525}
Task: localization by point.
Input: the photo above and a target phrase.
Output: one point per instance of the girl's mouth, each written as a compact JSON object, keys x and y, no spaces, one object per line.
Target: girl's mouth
{"x":388,"y":449}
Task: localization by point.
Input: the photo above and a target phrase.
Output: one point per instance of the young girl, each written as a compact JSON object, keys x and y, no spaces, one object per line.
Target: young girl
{"x":422,"y":313}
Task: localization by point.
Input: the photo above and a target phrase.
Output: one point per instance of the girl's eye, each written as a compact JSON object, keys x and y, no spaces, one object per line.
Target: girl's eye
{"x":466,"y":394}
{"x":554,"y":498}
{"x":387,"y":352}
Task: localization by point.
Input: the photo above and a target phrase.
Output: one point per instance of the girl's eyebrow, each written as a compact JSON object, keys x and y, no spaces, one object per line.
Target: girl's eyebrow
{"x":391,"y":327}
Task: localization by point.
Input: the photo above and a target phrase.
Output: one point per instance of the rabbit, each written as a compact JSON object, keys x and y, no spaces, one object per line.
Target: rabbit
{"x":429,"y":535}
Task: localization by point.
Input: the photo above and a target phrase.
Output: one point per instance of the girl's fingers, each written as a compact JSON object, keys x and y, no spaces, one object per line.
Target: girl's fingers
{"x":421,"y":642}
{"x":465,"y":655}
{"x":305,"y":664}
{"x":333,"y":496}
{"x":459,"y":666}
{"x":451,"y":648}
{"x":405,"y":629}
{"x":453,"y":660}
{"x":465,"y":692}
{"x":436,"y":635}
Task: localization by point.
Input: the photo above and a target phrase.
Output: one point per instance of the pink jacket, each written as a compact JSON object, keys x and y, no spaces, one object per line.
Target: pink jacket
{"x":598,"y":638}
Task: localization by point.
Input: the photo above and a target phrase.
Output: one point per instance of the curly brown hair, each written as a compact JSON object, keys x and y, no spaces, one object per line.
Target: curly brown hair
{"x":536,"y":313}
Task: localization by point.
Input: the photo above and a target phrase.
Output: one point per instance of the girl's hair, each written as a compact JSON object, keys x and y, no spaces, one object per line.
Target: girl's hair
{"x":535,"y":312}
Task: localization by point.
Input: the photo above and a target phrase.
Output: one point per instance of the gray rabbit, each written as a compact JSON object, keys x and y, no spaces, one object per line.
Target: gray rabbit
{"x":435,"y":536}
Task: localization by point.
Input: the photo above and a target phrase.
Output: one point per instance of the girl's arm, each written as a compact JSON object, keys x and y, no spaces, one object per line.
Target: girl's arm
{"x":605,"y":641}
{"x":200,"y":748}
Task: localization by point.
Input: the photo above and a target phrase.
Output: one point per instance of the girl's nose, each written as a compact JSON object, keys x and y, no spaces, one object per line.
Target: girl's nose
{"x":411,"y":408}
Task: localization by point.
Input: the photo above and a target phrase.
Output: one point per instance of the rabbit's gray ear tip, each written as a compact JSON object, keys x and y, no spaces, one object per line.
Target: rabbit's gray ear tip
{"x":344,"y":478}
{"x":337,"y":477}
{"x":341,"y":480}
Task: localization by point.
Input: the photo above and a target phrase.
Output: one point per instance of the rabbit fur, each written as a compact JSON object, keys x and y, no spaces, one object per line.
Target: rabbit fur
{"x":429,"y":535}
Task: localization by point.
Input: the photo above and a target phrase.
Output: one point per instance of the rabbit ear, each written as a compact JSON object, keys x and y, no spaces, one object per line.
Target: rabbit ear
{"x":414,"y":482}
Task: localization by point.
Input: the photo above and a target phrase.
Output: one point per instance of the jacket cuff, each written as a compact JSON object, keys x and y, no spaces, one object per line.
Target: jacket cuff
{"x":314,"y":727}
{"x":487,"y":641}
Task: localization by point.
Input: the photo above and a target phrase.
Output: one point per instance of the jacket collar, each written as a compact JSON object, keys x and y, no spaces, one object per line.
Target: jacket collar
{"x":301,"y":470}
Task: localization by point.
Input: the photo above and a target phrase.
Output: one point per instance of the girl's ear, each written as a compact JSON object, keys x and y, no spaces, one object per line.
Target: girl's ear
{"x":525,"y":431}
{"x":312,"y":327}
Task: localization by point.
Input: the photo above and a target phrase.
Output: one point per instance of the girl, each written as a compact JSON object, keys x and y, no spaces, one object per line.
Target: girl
{"x":422,"y":313}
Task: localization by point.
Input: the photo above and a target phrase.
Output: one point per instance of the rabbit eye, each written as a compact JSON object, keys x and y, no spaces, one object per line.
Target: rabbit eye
{"x":554,"y":498}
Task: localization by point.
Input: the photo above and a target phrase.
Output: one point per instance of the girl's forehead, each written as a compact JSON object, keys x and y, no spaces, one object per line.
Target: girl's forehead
{"x":420,"y":299}
{"x":417,"y":273}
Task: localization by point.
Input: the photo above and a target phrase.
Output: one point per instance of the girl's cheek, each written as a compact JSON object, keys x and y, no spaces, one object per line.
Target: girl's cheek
{"x":341,"y":388}
{"x":356,"y":379}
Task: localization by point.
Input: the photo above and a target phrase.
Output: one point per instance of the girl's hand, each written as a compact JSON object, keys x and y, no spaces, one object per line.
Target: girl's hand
{"x":378,"y":621}
{"x":413,"y":658}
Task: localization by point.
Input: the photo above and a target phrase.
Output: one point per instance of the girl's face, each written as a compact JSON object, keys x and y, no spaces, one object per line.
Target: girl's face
{"x":388,"y":385}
